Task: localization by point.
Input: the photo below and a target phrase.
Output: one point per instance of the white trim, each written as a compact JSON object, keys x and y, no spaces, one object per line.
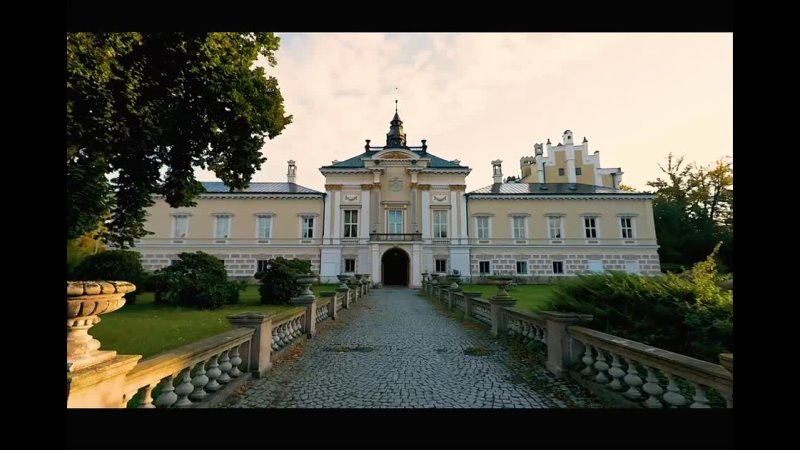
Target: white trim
{"x":217,"y":217}
{"x":174,"y":233}
{"x":560,"y":218}
{"x":426,"y":215}
{"x":313,"y":226}
{"x":271,"y":226}
{"x":596,"y":227}
{"x":632,"y":227}
{"x":402,"y":219}
{"x":433,"y":223}
{"x":357,"y":222}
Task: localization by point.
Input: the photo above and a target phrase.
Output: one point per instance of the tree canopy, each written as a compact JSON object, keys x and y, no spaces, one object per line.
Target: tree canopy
{"x":145,"y":109}
{"x":693,"y":211}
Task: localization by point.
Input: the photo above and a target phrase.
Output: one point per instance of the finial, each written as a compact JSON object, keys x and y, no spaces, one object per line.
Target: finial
{"x":548,"y":141}
{"x":585,"y":140}
{"x":424,"y":145}
{"x":366,"y":147}
{"x":395,"y":105}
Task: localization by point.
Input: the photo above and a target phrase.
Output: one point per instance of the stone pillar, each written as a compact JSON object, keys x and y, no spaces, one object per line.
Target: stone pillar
{"x":500,"y":300}
{"x":560,"y":355}
{"x":95,"y":378}
{"x":337,"y":216}
{"x":259,"y":347}
{"x":426,"y":211}
{"x":326,"y":224}
{"x":364,"y":225}
{"x":332,"y":305}
{"x":307,"y":299}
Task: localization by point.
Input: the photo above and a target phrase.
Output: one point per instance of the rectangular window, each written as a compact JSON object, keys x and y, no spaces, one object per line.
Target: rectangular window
{"x":264,"y":225}
{"x":308,"y":227}
{"x":440,"y":223}
{"x":180,"y":228}
{"x":558,"y":266}
{"x":351,"y":223}
{"x":482,"y":227}
{"x":223,"y":228}
{"x":595,"y":265}
{"x":518,"y":227}
{"x":484,"y":267}
{"x":578,"y":171}
{"x":626,"y":225}
{"x":262,"y":265}
{"x":395,"y":222}
{"x":554,"y":227}
{"x":590,"y":227}
{"x":561,"y":171}
{"x":522,"y":267}
{"x":350,"y":265}
{"x":441,"y":266}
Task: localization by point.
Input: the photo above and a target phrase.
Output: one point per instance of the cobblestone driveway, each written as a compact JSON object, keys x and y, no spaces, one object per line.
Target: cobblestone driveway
{"x":393,"y":350}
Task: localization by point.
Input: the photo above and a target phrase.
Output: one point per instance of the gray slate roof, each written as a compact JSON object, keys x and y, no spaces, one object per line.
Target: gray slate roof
{"x":550,"y":189}
{"x":218,"y":187}
{"x":356,"y":162}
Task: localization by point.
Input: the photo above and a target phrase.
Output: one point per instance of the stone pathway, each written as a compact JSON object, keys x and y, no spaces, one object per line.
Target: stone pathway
{"x":394,"y":350}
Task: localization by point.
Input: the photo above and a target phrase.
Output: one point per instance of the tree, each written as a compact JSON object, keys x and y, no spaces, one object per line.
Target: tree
{"x":693,"y":211}
{"x":146,"y":109}
{"x":626,"y":188}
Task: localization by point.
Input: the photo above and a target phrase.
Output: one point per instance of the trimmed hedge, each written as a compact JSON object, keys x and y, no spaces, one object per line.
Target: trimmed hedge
{"x":113,"y":265}
{"x":278,"y":284}
{"x":198,"y":279}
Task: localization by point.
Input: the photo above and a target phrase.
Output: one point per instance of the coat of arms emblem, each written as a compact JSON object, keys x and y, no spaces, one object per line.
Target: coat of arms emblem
{"x":395,"y":185}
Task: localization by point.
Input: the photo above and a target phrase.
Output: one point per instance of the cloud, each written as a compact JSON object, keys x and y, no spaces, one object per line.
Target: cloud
{"x":477,"y":97}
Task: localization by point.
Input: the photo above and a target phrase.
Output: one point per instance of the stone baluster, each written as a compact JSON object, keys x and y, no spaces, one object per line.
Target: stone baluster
{"x":633,"y":380}
{"x":653,"y":389}
{"x":616,"y":373}
{"x":199,"y":381}
{"x":700,"y":399}
{"x":184,"y":389}
{"x":673,"y":396}
{"x":601,"y":366}
{"x":146,"y":396}
{"x":213,"y":373}
{"x":236,"y":360}
{"x":224,"y":367}
{"x":275,"y":340}
{"x":588,"y":361}
{"x":283,"y":338}
{"x":167,"y":397}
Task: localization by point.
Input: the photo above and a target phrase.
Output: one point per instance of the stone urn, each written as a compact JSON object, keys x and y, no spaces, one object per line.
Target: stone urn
{"x":502,"y":282}
{"x":425,"y":276}
{"x":86,"y":300}
{"x":305,"y":281}
{"x":453,"y":280}
{"x":343,"y":279}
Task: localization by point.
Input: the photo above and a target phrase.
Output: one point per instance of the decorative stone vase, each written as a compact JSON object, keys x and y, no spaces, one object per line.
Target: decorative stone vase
{"x":425,"y":276}
{"x":305,"y":281}
{"x":502,"y":282}
{"x":343,"y":279}
{"x":86,"y":300}
{"x":359,"y":276}
{"x":454,"y":279}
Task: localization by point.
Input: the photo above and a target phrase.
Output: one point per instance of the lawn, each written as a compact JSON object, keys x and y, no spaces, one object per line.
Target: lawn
{"x":147,"y":329}
{"x":533,"y":297}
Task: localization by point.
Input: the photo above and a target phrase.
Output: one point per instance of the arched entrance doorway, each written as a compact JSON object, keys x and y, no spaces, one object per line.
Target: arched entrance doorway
{"x":394,"y":267}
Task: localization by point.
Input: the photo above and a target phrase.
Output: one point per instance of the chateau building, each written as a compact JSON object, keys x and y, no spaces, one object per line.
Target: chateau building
{"x":396,"y":210}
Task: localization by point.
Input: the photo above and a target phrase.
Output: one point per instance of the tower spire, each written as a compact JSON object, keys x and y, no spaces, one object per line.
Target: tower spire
{"x":396,"y":137}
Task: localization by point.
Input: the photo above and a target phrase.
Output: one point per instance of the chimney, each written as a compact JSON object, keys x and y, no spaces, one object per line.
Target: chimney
{"x":497,"y":171}
{"x":291,"y":175}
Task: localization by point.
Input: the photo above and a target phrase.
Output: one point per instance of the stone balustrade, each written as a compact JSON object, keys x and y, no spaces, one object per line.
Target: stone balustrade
{"x":649,"y":376}
{"x":624,"y":372}
{"x":525,"y":326}
{"x":190,"y":375}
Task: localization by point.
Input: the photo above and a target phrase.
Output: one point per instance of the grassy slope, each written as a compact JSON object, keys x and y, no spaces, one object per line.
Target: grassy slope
{"x":529,"y":296}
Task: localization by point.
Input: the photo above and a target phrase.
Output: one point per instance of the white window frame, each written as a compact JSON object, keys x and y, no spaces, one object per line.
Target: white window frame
{"x":217,"y":218}
{"x":586,"y":228}
{"x":389,"y":222}
{"x":436,"y":269}
{"x":303,"y":227}
{"x":488,"y":263}
{"x":488,"y":227}
{"x":631,"y":228}
{"x":553,"y":268}
{"x":524,"y":227}
{"x":175,"y":218}
{"x":516,"y":268}
{"x":560,"y":227}
{"x":439,"y":226}
{"x":352,"y":225}
{"x":270,"y":218}
{"x":344,"y":264}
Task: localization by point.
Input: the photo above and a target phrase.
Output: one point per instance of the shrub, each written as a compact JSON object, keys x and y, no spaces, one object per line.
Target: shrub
{"x":278,"y":284}
{"x":687,"y":314}
{"x":113,"y":265}
{"x":198,"y":280}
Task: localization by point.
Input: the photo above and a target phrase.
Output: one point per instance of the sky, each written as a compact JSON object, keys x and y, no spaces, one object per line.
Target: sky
{"x":477,"y":97}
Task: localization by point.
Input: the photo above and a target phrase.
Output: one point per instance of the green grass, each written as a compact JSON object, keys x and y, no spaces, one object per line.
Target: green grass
{"x":533,"y":297}
{"x":148,"y":329}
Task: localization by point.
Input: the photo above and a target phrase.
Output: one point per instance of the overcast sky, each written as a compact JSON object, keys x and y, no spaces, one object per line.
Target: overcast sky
{"x":478,"y":97}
